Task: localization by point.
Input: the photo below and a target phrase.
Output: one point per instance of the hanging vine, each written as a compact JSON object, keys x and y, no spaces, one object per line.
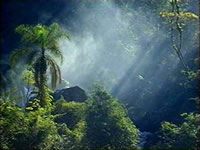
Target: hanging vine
{"x":176,"y":20}
{"x":178,"y":25}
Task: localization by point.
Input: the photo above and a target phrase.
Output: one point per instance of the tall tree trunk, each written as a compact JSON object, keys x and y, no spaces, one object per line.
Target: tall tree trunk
{"x":43,"y":79}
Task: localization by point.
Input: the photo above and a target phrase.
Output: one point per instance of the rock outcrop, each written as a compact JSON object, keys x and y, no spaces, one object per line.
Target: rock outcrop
{"x":71,"y":94}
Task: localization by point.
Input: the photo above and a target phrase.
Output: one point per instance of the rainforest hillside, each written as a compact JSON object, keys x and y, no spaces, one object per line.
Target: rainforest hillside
{"x":99,"y":74}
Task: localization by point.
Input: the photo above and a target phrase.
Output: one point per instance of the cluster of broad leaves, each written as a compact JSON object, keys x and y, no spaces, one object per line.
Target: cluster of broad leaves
{"x":101,"y":122}
{"x":182,"y":136}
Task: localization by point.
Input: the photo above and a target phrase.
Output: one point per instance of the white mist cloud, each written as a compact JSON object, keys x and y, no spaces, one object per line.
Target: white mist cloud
{"x":107,"y":44}
{"x":110,"y":44}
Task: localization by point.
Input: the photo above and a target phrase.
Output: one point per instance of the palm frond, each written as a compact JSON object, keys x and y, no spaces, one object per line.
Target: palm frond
{"x":27,"y":33}
{"x":54,"y":49}
{"x":55,"y":72}
{"x":32,"y":56}
{"x":19,"y":54}
{"x":56,"y":33}
{"x":33,"y":34}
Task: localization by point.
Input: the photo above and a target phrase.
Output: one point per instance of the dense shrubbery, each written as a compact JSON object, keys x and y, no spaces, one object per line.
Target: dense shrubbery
{"x":27,"y":130}
{"x":109,"y":126}
{"x":181,"y":136}
{"x":100,"y":122}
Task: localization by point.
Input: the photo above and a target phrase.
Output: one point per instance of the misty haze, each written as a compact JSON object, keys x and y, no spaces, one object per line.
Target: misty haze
{"x":104,"y":74}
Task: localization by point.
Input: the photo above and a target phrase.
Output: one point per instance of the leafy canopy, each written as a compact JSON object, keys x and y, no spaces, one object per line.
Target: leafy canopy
{"x":39,"y":42}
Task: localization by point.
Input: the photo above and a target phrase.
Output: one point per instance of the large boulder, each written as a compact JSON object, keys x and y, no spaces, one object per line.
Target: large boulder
{"x":71,"y":94}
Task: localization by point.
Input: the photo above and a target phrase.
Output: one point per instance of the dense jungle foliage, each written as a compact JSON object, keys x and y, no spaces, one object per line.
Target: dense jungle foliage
{"x":136,"y":63}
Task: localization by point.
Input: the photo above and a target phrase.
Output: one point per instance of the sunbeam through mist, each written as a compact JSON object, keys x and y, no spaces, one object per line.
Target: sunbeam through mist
{"x":121,"y":85}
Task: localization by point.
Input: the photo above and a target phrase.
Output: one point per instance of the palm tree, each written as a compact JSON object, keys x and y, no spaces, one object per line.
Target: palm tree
{"x":40,"y":43}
